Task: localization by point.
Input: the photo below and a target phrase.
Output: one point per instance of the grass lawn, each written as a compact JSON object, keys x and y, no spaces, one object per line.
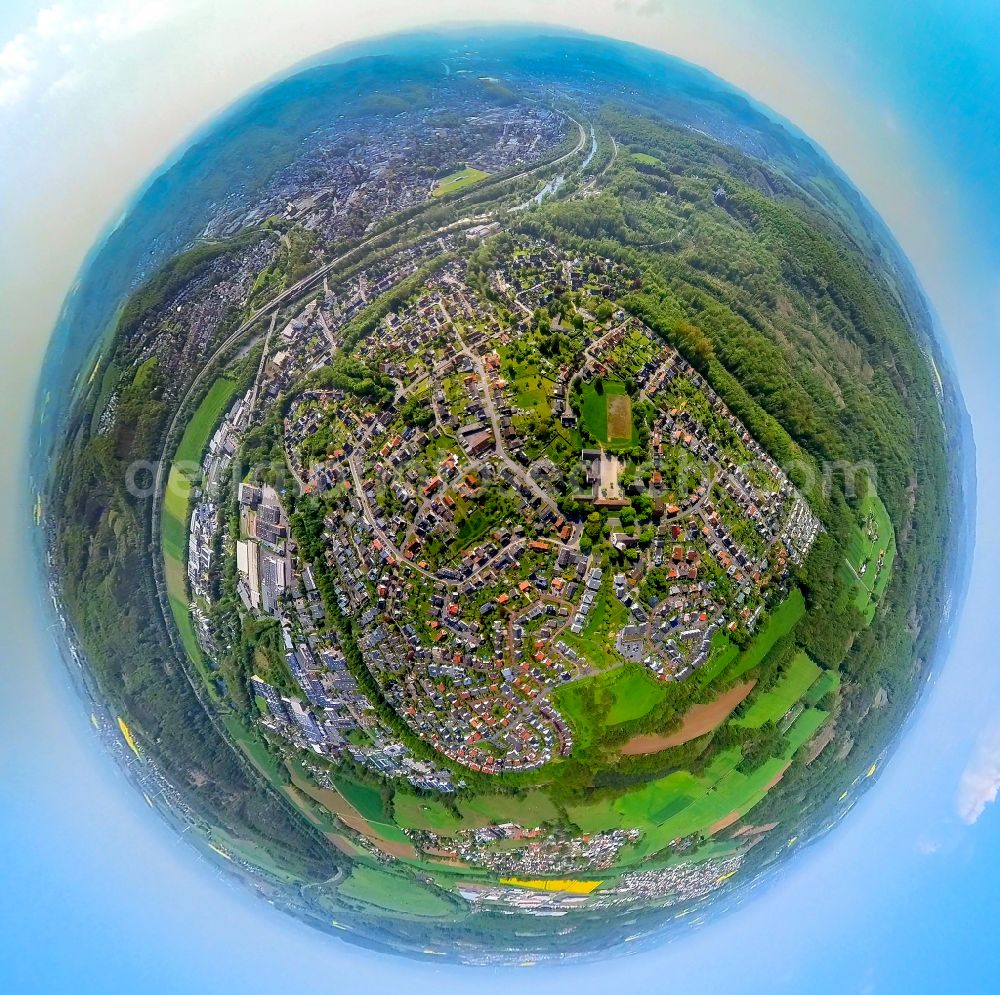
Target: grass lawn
{"x":803,"y":729}
{"x":607,"y":616}
{"x":779,"y":623}
{"x":574,"y":706}
{"x":860,"y":571}
{"x":608,"y":414}
{"x":622,"y":694}
{"x":594,"y":411}
{"x":413,"y":812}
{"x":771,"y":705}
{"x":646,"y":159}
{"x":365,"y":798}
{"x":529,"y":386}
{"x":474,"y":527}
{"x":723,"y":654}
{"x":174,"y":518}
{"x":633,"y":693}
{"x":395,"y":893}
{"x":828,"y":681}
{"x":529,"y":811}
{"x":458,"y":180}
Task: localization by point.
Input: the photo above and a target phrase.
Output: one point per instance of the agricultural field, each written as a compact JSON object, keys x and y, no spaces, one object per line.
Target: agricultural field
{"x":174,"y":519}
{"x":189,"y":451}
{"x":804,"y":728}
{"x":395,"y":893}
{"x":698,"y":720}
{"x":109,"y":381}
{"x":681,"y":804}
{"x":772,"y":705}
{"x":828,"y":681}
{"x":779,"y":623}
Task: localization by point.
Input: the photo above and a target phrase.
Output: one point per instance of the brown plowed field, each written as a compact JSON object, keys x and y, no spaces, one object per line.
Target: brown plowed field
{"x":699,"y":720}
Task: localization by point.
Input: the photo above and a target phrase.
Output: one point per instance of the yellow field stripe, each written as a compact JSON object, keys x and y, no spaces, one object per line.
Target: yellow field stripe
{"x":128,"y":737}
{"x":576,"y":887}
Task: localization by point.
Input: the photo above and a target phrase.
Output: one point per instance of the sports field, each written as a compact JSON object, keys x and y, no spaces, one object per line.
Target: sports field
{"x":607,"y":412}
{"x":458,"y":180}
{"x":619,"y":417}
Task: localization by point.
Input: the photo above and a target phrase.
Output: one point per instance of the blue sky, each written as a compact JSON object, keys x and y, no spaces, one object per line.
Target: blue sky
{"x":96,"y":892}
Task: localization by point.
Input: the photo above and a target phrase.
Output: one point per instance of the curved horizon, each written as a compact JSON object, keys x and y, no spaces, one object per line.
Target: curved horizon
{"x":961,"y":560}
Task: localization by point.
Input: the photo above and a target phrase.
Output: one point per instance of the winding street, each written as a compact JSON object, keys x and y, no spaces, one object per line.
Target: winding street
{"x":515,"y":468}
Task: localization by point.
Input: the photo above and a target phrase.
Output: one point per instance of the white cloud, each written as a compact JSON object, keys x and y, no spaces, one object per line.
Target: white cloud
{"x":12,"y":90}
{"x":130,"y":19}
{"x":56,"y":50}
{"x":980,"y":782}
{"x":66,"y":83}
{"x":16,"y":68}
{"x":644,"y":8}
{"x":51,"y":22}
{"x":15,"y":56}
